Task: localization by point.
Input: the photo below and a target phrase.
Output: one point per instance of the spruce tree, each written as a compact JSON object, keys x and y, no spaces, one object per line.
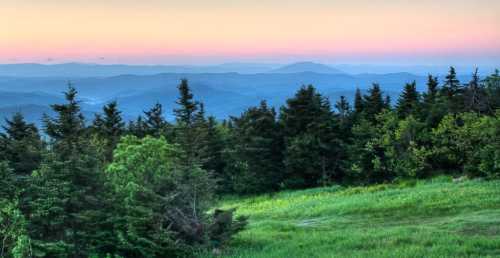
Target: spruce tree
{"x":358,"y":102}
{"x":345,"y":117}
{"x":373,"y":102}
{"x":312,"y":141}
{"x":22,"y":145}
{"x":67,"y":194}
{"x":256,"y":151}
{"x":409,"y":101}
{"x":214,"y":162}
{"x":475,"y":96}
{"x":452,"y":92}
{"x":154,"y":123}
{"x":109,"y":128}
{"x":187,"y":130}
{"x":492,"y":85}
{"x":137,"y":128}
{"x":429,"y":98}
{"x":433,"y":108}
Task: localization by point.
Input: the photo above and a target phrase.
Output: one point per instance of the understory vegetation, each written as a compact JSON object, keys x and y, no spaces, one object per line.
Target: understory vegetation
{"x":148,"y":187}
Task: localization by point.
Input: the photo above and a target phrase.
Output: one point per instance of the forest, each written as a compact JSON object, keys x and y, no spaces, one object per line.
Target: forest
{"x":108,"y":187}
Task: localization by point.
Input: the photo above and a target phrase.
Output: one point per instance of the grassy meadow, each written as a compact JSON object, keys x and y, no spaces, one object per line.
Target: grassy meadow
{"x":433,"y":218}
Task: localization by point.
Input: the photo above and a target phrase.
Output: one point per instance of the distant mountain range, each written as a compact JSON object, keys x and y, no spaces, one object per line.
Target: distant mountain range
{"x":224,"y":94}
{"x":81,"y":70}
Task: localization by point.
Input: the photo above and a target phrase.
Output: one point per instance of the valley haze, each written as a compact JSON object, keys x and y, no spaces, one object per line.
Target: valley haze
{"x":226,"y":89}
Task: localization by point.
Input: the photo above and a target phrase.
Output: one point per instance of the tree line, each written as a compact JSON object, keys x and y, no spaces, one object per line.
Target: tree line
{"x":145,"y":188}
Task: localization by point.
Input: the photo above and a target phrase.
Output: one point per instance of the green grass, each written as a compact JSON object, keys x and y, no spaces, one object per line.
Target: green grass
{"x":436,"y":218}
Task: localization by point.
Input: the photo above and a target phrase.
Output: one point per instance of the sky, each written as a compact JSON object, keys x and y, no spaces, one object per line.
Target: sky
{"x":428,"y":32}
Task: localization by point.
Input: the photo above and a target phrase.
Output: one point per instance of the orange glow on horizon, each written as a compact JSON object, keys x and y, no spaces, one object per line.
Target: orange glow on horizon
{"x":31,"y":30}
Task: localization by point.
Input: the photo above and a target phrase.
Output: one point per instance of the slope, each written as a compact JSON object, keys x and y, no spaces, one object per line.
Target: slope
{"x":437,"y":218}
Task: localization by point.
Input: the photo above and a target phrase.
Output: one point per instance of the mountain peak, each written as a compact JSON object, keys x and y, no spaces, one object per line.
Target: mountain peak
{"x":301,"y":67}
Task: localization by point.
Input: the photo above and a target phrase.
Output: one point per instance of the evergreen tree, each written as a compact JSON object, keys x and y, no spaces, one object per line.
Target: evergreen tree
{"x":409,"y":101}
{"x":21,"y":146}
{"x":387,"y":102}
{"x":343,"y":107}
{"x":492,"y":84}
{"x":475,"y":96}
{"x":312,"y":141}
{"x":154,"y":123}
{"x":256,"y":151}
{"x":109,"y":128}
{"x":429,"y":98}
{"x":187,"y":129}
{"x":138,"y":127}
{"x":69,"y":125}
{"x":373,"y":102}
{"x":452,"y":92}
{"x":214,"y":161}
{"x":67,"y":194}
{"x":433,"y":106}
{"x":345,"y":117}
{"x":358,"y":102}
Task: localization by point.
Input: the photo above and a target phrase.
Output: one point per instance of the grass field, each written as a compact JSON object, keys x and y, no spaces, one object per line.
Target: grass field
{"x":436,"y":218}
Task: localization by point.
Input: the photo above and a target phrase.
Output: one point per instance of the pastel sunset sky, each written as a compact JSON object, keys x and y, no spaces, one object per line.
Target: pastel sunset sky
{"x":217,"y":31}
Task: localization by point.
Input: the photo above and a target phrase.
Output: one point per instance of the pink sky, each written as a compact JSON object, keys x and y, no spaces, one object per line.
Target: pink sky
{"x":154,"y":31}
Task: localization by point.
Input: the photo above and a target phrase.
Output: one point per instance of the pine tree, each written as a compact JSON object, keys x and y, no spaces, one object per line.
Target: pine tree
{"x":409,"y":101}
